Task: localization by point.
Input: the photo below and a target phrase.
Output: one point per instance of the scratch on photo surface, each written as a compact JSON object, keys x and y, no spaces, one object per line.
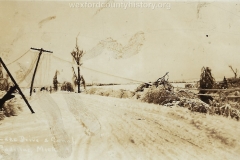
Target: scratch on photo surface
{"x":107,"y":2}
{"x":19,"y":35}
{"x":42,"y":22}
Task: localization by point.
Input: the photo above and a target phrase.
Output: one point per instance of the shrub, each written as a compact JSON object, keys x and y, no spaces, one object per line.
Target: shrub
{"x":91,"y":91}
{"x":11,"y":108}
{"x":67,"y":86}
{"x":128,"y":94}
{"x":159,"y":96}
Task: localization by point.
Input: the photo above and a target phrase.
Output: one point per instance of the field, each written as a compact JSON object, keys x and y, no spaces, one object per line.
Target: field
{"x":82,"y":126}
{"x":130,"y":87}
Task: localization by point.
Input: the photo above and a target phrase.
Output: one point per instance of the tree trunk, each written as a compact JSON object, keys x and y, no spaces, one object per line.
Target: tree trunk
{"x":78,"y":82}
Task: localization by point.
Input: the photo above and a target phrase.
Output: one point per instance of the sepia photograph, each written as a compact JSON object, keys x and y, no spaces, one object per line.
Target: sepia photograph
{"x":119,"y":80}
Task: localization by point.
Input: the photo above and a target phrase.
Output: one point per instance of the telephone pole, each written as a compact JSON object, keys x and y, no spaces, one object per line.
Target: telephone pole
{"x":40,"y":53}
{"x":8,"y":94}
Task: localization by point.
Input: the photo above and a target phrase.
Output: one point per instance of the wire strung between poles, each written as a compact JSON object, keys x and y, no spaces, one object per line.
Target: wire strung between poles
{"x":143,"y":81}
{"x":18,"y":58}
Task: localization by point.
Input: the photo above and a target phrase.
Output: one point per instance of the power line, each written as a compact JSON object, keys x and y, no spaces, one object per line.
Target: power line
{"x":137,"y":80}
{"x":113,"y":75}
{"x":100,"y":71}
{"x":18,"y":58}
{"x":81,"y":66}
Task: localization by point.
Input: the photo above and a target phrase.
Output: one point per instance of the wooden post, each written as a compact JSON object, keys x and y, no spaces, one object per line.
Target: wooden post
{"x":41,"y":50}
{"x":16,"y":85}
{"x":35,"y":72}
{"x":79,"y":91}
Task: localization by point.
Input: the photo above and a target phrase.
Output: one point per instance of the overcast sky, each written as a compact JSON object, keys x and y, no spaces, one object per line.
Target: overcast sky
{"x":180,"y":38}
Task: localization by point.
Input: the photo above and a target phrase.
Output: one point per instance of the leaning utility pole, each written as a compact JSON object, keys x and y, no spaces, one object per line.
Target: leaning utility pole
{"x":8,"y":96}
{"x":40,"y":53}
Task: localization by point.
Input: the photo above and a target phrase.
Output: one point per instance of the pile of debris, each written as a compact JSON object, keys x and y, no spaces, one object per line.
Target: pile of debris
{"x":11,"y":107}
{"x":162,"y":92}
{"x":182,"y":98}
{"x":159,"y":95}
{"x":222,"y":106}
{"x":162,"y":95}
{"x":195,"y":105}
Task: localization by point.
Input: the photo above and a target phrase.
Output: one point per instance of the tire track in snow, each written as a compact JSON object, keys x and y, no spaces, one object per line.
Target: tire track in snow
{"x":146,"y":136}
{"x":81,"y":113}
{"x":135,"y":131}
{"x":61,"y":142}
{"x":150,"y":136}
{"x":152,"y":121}
{"x":86,"y":118}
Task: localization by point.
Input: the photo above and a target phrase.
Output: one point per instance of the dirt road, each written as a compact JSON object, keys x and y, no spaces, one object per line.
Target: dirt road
{"x":79,"y":126}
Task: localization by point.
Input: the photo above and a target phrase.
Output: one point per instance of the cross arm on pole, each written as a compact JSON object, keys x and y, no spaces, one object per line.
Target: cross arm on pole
{"x":41,"y":50}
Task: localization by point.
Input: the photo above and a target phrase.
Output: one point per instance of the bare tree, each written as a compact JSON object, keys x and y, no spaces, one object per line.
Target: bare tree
{"x":77,"y":55}
{"x":235,"y":72}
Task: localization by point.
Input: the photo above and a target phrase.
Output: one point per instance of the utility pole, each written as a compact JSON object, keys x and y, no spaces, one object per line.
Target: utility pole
{"x":40,"y":53}
{"x":8,"y":95}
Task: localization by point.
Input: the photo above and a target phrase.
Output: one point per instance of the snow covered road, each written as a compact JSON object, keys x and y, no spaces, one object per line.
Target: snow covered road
{"x":79,"y":126}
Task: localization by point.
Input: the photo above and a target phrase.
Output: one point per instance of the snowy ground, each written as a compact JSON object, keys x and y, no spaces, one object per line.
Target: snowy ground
{"x":79,"y":126}
{"x":130,"y":87}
